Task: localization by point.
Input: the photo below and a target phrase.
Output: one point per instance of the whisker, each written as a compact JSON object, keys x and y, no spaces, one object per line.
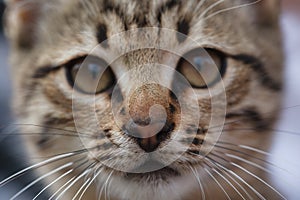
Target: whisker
{"x":81,"y":188}
{"x":212,"y":176}
{"x":199,"y":182}
{"x":239,"y":178}
{"x":89,"y":184}
{"x":251,"y":164}
{"x":85,"y":184}
{"x":41,"y":178}
{"x":210,"y":8}
{"x":100,"y":194}
{"x":251,"y":174}
{"x":229,"y":9}
{"x":258,"y":178}
{"x":200,"y":4}
{"x":210,"y":160}
{"x":247,"y":154}
{"x":48,"y":134}
{"x":50,"y":160}
{"x":53,"y":182}
{"x":74,"y":181}
{"x":224,"y":172}
{"x":245,"y":147}
{"x":248,"y":162}
{"x":243,"y":118}
{"x":48,"y":127}
{"x":70,"y":180}
{"x":226,"y":180}
{"x":106,"y":189}
{"x":278,"y":131}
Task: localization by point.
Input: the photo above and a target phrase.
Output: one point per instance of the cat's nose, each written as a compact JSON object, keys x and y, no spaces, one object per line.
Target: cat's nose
{"x":151,"y":119}
{"x":150,"y":136}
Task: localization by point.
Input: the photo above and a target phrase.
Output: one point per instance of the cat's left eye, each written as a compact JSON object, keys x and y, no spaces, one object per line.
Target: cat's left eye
{"x":90,"y":75}
{"x":202,"y":68}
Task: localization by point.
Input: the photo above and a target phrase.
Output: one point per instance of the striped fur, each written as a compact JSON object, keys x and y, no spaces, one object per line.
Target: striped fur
{"x":64,"y":30}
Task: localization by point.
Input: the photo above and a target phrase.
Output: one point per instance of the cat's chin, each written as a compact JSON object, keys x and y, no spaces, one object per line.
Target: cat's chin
{"x":163,"y":174}
{"x":149,"y":171}
{"x":167,"y":182}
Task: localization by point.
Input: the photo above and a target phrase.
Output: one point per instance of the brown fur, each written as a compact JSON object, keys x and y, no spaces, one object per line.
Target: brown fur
{"x":59,"y":31}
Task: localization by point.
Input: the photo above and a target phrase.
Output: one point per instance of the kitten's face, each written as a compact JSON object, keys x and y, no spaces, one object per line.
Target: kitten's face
{"x":91,"y":75}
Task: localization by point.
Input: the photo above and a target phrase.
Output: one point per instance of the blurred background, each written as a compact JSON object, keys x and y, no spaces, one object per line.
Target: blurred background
{"x":284,"y":153}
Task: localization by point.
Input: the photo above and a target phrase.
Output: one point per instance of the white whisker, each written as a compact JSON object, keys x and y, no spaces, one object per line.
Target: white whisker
{"x":100,"y":194}
{"x":40,"y":178}
{"x":260,"y":152}
{"x":89,"y":184}
{"x":243,"y":181}
{"x":210,"y":8}
{"x":221,"y":169}
{"x":53,"y":182}
{"x":53,"y":159}
{"x":199,"y":182}
{"x":258,"y":178}
{"x":254,"y":149}
{"x":70,"y":180}
{"x":200,"y":4}
{"x":229,"y":183}
{"x":248,"y":162}
{"x":210,"y":174}
{"x":73,"y":183}
{"x":232,"y":8}
{"x":81,"y":188}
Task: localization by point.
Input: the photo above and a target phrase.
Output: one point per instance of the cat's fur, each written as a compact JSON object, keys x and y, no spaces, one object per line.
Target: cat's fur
{"x":50,"y":33}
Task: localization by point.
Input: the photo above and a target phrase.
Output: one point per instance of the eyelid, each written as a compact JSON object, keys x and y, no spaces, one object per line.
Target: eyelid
{"x":85,"y":62}
{"x":210,"y":52}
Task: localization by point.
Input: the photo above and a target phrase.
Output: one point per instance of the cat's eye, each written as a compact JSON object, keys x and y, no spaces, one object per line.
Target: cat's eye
{"x":202,"y":69}
{"x":90,"y":75}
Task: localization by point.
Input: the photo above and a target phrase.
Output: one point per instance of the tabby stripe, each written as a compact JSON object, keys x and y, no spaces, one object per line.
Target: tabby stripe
{"x":258,"y":67}
{"x":167,"y":6}
{"x":102,"y":35}
{"x":44,"y":71}
{"x":47,"y":124}
{"x":183,"y":27}
{"x":252,"y":115}
{"x":54,"y":121}
{"x":31,"y":87}
{"x":109,"y":7}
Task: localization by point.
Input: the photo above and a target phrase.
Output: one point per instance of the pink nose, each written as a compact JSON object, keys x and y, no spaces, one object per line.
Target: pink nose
{"x":149,"y":112}
{"x":149,"y":137}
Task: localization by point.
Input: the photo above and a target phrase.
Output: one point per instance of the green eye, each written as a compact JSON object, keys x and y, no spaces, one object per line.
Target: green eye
{"x":90,"y":75}
{"x":200,"y":69}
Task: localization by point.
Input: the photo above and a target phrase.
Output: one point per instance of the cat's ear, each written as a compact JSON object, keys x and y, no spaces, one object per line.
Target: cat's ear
{"x":267,"y":12}
{"x":21,"y":21}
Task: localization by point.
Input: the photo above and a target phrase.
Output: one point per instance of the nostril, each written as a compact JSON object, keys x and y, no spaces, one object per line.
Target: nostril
{"x":150,"y":137}
{"x":148,"y":144}
{"x":151,"y":143}
{"x":142,"y":122}
{"x":165,"y":132}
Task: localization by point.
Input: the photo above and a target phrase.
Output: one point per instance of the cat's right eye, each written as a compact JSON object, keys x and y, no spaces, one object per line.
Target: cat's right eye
{"x":90,"y":75}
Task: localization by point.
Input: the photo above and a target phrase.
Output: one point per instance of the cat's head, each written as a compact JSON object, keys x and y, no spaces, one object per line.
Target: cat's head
{"x":144,"y":86}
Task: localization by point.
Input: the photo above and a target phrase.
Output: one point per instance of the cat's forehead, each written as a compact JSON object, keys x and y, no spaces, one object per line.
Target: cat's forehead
{"x":72,"y":28}
{"x":104,"y":19}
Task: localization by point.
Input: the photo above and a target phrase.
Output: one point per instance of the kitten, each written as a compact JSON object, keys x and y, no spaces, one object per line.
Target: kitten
{"x":165,"y":99}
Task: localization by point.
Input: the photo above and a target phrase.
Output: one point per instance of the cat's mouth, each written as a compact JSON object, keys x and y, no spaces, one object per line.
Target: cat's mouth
{"x":152,"y":169}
